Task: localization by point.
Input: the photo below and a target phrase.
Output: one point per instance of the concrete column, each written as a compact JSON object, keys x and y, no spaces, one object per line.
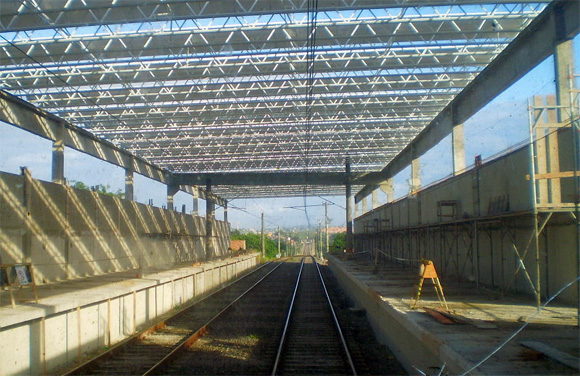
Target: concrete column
{"x":209,"y":217}
{"x":195,"y":203}
{"x":58,"y":155}
{"x":563,"y":61}
{"x":458,"y":148}
{"x":388,"y":188}
{"x":27,"y":201}
{"x":129,"y":184}
{"x":226,"y":212}
{"x":363,"y":205}
{"x":171,"y":191}
{"x":415,"y":175}
{"x":375,"y":199}
{"x":349,"y":234}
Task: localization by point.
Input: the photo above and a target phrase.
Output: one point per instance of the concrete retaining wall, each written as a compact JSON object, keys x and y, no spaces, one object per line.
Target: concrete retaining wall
{"x":64,"y":330}
{"x":493,"y":216}
{"x":69,"y":233}
{"x":477,"y":192}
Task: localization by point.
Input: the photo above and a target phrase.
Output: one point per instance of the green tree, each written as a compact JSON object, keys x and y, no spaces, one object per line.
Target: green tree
{"x":254,"y":243}
{"x":102,"y":189}
{"x":338,"y":242}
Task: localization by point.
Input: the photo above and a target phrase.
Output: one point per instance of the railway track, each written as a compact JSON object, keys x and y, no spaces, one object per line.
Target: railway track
{"x":312,"y":341}
{"x":280,"y":321}
{"x":146,"y":351}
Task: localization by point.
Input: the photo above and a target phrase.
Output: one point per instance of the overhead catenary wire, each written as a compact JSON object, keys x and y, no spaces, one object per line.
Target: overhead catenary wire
{"x":312,"y":17}
{"x":331,"y":202}
{"x":243,"y":210}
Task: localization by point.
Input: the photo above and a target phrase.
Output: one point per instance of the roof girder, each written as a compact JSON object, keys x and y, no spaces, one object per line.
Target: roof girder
{"x":66,"y":13}
{"x":225,"y":88}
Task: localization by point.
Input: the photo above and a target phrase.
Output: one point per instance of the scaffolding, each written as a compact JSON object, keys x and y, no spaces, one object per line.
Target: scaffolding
{"x":499,"y":247}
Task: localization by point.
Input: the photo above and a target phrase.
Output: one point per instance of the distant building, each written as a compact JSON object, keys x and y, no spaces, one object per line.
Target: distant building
{"x":236,"y":245}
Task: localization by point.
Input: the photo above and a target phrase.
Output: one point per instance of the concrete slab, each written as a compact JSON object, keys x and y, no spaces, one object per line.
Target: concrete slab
{"x":421,"y":342}
{"x":77,"y":318}
{"x":61,"y":296}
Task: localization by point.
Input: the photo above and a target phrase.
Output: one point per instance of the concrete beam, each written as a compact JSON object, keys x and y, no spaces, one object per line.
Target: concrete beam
{"x":559,"y":21}
{"x":24,"y":115}
{"x":266,"y":178}
{"x":44,"y":124}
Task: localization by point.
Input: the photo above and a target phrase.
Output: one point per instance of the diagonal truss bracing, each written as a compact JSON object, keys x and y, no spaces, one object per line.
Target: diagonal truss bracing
{"x":219,"y":86}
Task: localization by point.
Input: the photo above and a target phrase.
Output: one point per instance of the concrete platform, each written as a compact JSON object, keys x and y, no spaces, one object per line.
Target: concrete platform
{"x":76,"y":318}
{"x":423,"y":343}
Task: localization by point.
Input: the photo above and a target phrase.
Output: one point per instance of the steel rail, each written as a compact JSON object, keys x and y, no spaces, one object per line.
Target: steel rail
{"x":334,"y":317}
{"x":336,"y":322}
{"x":190,"y":340}
{"x":287,"y":323}
{"x":123,"y":345}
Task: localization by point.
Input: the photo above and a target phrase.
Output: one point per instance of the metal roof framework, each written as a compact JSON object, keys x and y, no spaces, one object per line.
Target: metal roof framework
{"x":260,"y":86}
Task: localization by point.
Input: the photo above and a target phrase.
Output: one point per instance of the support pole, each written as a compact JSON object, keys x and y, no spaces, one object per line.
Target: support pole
{"x":319,"y":240}
{"x":263,"y":238}
{"x":209,"y":217}
{"x":129,"y":184}
{"x":226,"y":212}
{"x":349,"y":234}
{"x":576,"y":149}
{"x":58,"y":155}
{"x":326,"y":225}
{"x":278,"y":240}
{"x":534,"y":237}
{"x":576,"y":130}
{"x":537,"y":246}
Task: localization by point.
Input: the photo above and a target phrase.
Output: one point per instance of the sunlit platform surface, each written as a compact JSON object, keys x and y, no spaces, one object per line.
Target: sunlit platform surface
{"x":60,"y":296}
{"x":485,"y":321}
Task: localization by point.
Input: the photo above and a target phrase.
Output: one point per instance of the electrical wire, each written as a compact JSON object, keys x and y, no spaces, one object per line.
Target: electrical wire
{"x":312,"y":17}
{"x":528,"y":321}
{"x":331,"y":202}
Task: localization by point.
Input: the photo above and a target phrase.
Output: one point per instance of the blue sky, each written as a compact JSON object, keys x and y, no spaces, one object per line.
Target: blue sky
{"x":502,"y":123}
